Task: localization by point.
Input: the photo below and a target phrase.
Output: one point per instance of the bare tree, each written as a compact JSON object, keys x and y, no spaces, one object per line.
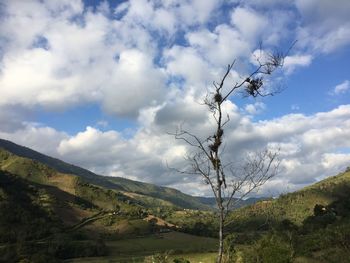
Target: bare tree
{"x":226,"y":181}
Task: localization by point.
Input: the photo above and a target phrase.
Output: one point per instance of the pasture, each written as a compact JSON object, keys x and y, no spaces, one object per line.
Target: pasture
{"x":180,"y":245}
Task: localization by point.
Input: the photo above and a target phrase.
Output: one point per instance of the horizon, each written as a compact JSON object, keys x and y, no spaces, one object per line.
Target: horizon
{"x":99,"y":84}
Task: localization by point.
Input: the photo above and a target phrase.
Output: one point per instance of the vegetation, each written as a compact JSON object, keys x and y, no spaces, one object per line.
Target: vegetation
{"x":29,"y":228}
{"x":311,"y":224}
{"x":49,"y":216}
{"x":75,"y":216}
{"x":168,"y":245}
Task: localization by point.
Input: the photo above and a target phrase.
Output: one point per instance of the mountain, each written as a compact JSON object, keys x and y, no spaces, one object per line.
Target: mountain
{"x":49,"y":215}
{"x":166,"y":194}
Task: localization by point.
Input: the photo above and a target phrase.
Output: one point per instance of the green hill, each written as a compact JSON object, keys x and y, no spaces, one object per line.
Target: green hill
{"x":50,"y":179}
{"x":50,"y":216}
{"x":296,"y":206}
{"x":173,"y":196}
{"x":310,"y":225}
{"x":34,"y":221}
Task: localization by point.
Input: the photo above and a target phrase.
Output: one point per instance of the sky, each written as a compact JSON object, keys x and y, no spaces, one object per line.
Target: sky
{"x":101,"y":84}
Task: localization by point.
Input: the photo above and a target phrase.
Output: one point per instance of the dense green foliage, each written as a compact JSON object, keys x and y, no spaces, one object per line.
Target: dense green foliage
{"x":202,"y":223}
{"x":21,"y":211}
{"x":29,"y":228}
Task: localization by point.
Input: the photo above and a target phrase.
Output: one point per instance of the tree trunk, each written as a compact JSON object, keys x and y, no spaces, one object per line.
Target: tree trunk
{"x":221,"y":211}
{"x":221,"y":236}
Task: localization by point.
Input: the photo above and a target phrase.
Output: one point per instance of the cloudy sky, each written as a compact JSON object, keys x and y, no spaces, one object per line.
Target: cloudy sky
{"x":100,"y":84}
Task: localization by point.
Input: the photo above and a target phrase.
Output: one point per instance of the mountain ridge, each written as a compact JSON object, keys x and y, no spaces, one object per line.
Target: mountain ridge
{"x":115,"y":183}
{"x":167,"y":194}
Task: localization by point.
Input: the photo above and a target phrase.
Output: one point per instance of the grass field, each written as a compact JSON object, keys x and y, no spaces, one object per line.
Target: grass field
{"x":193,"y":248}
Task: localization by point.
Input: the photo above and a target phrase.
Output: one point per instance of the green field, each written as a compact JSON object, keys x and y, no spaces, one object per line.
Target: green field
{"x":183,"y":245}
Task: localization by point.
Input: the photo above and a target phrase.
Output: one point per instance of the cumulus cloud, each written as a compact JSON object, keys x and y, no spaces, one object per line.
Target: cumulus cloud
{"x":108,"y":153}
{"x":167,"y":16}
{"x":250,"y":23}
{"x":187,"y":64}
{"x":72,"y":54}
{"x":154,"y":61}
{"x":303,"y":142}
{"x":75,"y":61}
{"x":40,"y":138}
{"x":220,"y":46}
{"x":135,"y":83}
{"x":325,"y":26}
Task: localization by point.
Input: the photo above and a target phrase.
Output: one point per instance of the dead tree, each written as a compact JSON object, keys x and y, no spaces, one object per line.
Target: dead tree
{"x":227,"y":182}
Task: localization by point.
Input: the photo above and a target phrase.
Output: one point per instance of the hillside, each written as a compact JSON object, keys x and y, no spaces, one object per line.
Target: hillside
{"x":299,"y":205}
{"x":78,"y":217}
{"x":167,"y":194}
{"x":46,"y":214}
{"x":310,"y":225}
{"x":49,"y":216}
{"x":210,"y":201}
{"x":36,"y":219}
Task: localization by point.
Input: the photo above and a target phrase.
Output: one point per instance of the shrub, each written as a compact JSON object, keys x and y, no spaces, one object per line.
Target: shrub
{"x":181,"y":260}
{"x":159,"y":258}
{"x":270,"y":248}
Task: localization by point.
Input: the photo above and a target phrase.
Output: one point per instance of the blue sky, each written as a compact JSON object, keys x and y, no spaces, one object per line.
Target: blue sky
{"x":101,"y":83}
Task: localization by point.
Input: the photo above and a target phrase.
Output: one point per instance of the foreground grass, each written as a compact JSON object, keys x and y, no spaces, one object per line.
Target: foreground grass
{"x":196,"y":257}
{"x":192,"y":257}
{"x":193,"y":248}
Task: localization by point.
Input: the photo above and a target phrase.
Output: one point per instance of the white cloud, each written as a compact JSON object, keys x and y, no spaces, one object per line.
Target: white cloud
{"x":153,"y":61}
{"x":325,"y":26}
{"x":72,"y":55}
{"x":76,"y":62}
{"x":88,"y":146}
{"x":302,"y":140}
{"x":341,"y":88}
{"x":335,"y":161}
{"x":40,"y":138}
{"x":135,"y":83}
{"x":255,"y":108}
{"x":167,"y":16}
{"x":291,"y":62}
{"x":221,"y":46}
{"x":250,"y":23}
{"x":188,"y":64}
